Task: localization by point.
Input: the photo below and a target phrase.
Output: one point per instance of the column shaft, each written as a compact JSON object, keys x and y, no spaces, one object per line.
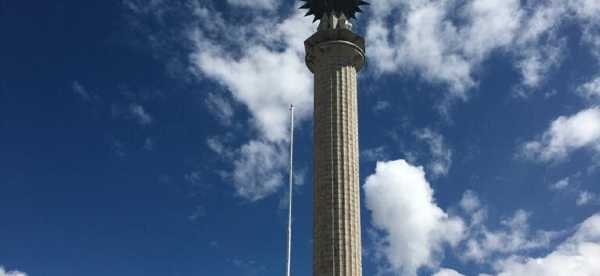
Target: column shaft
{"x":337,"y":237}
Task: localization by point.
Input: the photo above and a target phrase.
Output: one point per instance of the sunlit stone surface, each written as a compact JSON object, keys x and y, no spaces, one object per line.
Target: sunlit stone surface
{"x":335,"y":55}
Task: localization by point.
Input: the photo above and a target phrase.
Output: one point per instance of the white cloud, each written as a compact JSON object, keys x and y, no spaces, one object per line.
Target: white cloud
{"x":587,"y":9}
{"x":381,"y":106}
{"x":218,"y":147}
{"x":4,"y":272}
{"x":220,"y":107}
{"x":536,"y":62}
{"x":536,"y":45}
{"x":430,"y":42}
{"x":577,"y":256}
{"x":447,"y":272}
{"x":446,"y":41}
{"x":412,"y":231}
{"x":261,"y":64}
{"x":570,"y":186}
{"x":145,"y":7}
{"x":266,"y":82}
{"x":514,"y":236}
{"x":546,"y":16}
{"x":493,"y":24}
{"x":589,"y":13}
{"x":591,"y":89}
{"x":441,"y":155}
{"x":565,"y":135}
{"x":258,"y":170}
{"x":262,"y":67}
{"x":374,"y":154}
{"x":139,"y":114}
{"x":255,"y":4}
{"x":591,"y":36}
{"x":585,"y":197}
{"x":470,"y":203}
{"x":423,"y":43}
{"x":403,"y":207}
{"x":561,"y":184}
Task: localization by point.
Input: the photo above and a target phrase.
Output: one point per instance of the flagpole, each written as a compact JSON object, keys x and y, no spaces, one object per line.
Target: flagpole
{"x":291,"y":182}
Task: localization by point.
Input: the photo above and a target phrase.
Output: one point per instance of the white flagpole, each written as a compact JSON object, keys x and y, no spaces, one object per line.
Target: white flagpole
{"x":291,"y":182}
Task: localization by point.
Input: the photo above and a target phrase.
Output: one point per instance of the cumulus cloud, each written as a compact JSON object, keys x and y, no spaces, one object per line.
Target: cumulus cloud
{"x":470,"y":202}
{"x":591,"y":89}
{"x":447,"y":272}
{"x":591,"y":36}
{"x":441,"y":155}
{"x":4,"y":272}
{"x":446,"y":41}
{"x":589,"y":12}
{"x":258,"y":167}
{"x":423,"y":42}
{"x":402,"y":205}
{"x":535,"y":63}
{"x":260,"y":58}
{"x":428,"y":40}
{"x":571,"y":187}
{"x":256,"y":56}
{"x":217,"y":146}
{"x":412,"y":231}
{"x":561,"y":184}
{"x":265,"y":80}
{"x":578,"y":256}
{"x":589,"y":9}
{"x":483,"y":245}
{"x":537,"y":46}
{"x":565,"y":135}
{"x":585,"y":197}
{"x":261,"y":64}
{"x":258,"y":170}
{"x":374,"y":154}
{"x":256,"y":4}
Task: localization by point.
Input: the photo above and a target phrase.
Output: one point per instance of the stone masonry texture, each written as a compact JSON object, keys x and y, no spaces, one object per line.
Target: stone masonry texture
{"x":335,"y":57}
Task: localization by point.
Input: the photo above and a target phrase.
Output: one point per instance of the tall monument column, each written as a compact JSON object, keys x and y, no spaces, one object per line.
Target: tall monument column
{"x":334,"y":54}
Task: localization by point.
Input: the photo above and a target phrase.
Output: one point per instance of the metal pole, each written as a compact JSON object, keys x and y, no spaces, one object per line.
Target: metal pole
{"x":291,"y":182}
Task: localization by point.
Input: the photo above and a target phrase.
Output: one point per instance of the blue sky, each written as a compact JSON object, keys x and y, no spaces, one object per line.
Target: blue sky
{"x":149,"y":137}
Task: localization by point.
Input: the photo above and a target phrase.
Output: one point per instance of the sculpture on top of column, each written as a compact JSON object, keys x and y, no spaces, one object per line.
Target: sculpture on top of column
{"x":321,"y":8}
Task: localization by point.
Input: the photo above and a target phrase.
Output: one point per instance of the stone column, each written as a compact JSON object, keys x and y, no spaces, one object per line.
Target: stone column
{"x":335,"y":56}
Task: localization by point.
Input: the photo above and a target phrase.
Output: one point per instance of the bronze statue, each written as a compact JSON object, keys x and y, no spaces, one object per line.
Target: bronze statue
{"x":337,"y":8}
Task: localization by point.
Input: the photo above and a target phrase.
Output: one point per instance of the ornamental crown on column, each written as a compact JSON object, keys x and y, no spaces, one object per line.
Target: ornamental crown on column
{"x":334,"y":25}
{"x":321,"y":8}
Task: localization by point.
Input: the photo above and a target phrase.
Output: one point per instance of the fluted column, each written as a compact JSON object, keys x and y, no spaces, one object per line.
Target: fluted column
{"x":335,"y":57}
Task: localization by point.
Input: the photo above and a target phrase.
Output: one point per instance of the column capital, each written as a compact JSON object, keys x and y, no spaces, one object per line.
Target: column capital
{"x":343,"y":41}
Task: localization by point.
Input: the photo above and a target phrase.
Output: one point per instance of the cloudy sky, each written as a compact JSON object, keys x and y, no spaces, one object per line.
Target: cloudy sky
{"x":148,"y":137}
